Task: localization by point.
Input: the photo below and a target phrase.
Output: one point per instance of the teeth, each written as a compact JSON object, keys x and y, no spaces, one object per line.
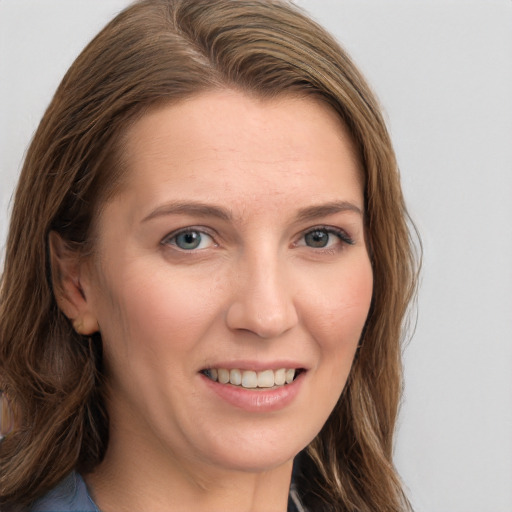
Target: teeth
{"x":223,"y":375}
{"x":251,"y":379}
{"x":235,"y":377}
{"x":266,"y":379}
{"x":280,"y":377}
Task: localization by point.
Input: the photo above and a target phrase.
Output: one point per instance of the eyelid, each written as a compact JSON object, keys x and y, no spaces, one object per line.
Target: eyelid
{"x":342,"y":234}
{"x":188,"y":229}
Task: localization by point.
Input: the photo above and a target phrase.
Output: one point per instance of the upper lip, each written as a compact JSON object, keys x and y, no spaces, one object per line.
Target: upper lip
{"x":257,"y":366}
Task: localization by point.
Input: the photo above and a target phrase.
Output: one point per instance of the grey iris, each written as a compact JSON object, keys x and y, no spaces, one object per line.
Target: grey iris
{"x":189,"y":240}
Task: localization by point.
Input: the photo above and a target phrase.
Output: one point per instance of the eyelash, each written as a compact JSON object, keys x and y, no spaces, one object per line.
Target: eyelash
{"x":168,"y":240}
{"x":342,"y":235}
{"x":330,"y":230}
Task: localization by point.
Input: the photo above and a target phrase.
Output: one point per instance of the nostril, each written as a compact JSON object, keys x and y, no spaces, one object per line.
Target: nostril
{"x":264,"y":320}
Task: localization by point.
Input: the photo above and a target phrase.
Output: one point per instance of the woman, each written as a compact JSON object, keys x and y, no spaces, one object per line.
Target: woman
{"x":208,"y":290}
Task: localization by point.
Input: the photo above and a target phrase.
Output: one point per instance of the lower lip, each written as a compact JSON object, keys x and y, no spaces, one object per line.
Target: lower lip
{"x":256,"y":400}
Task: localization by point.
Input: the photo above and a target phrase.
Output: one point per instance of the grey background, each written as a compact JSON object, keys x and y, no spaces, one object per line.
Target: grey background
{"x":443,"y":72}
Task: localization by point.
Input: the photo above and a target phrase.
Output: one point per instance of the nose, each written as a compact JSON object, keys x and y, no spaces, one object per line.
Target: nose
{"x":263,"y":300}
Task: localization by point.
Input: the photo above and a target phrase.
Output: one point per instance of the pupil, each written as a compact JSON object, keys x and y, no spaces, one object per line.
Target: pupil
{"x":317,"y":239}
{"x":188,"y":240}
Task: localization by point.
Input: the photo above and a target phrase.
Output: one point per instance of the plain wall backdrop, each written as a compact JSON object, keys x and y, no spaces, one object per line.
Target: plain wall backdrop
{"x":443,"y":72}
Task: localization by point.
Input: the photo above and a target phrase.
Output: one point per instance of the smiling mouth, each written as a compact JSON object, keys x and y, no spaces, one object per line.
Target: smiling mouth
{"x":253,"y":380}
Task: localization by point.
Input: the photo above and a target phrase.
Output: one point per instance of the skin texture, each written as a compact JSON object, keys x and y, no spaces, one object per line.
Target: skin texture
{"x":253,"y":293}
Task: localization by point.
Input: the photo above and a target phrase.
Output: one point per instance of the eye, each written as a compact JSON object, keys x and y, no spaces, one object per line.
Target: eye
{"x":323,"y":238}
{"x":189,"y":240}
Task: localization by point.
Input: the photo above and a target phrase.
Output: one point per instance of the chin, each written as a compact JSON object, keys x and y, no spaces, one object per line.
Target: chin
{"x":258,"y":451}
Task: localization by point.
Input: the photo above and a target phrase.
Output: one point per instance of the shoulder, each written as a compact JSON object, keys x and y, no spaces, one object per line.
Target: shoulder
{"x":69,"y":496}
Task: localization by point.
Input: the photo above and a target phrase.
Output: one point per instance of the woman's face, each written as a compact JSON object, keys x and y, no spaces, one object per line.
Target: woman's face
{"x":235,"y":250}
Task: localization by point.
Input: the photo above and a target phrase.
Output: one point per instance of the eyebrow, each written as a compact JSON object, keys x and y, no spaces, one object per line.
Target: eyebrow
{"x":190,"y":208}
{"x":208,"y":210}
{"x":324,"y":210}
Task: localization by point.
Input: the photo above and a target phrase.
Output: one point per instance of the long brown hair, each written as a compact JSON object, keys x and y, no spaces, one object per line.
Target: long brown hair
{"x":163,"y":51}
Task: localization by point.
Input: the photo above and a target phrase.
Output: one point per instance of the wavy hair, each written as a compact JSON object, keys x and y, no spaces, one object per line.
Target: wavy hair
{"x":161,"y":51}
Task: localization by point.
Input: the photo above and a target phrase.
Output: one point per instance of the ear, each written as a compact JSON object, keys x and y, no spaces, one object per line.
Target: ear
{"x":66,"y":266}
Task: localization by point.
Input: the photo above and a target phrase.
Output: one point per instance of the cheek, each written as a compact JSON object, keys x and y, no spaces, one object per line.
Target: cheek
{"x":151,"y":331}
{"x":149,"y":312}
{"x":336,"y":319}
{"x":341,"y":312}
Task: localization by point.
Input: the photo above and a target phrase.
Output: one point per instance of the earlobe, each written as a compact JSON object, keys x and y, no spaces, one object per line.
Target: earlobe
{"x":67,"y":287}
{"x":86,"y":324}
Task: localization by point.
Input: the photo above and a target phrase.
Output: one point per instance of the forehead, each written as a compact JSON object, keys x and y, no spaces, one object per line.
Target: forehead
{"x":226,"y":141}
{"x":218,"y":113}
